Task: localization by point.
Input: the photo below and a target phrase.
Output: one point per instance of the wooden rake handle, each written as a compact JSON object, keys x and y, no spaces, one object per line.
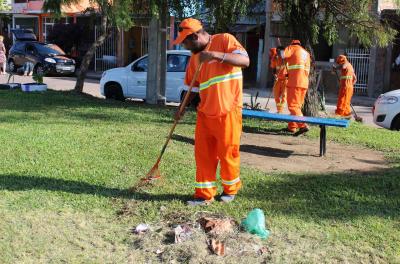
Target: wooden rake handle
{"x":180,"y":110}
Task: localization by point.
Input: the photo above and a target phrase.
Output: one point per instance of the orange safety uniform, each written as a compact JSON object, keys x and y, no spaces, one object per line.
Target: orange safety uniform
{"x":219,"y":119}
{"x":346,"y":89}
{"x":280,"y":82}
{"x":298,"y":60}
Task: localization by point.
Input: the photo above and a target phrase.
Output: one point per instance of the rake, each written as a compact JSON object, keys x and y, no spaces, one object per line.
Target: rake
{"x":154,"y":172}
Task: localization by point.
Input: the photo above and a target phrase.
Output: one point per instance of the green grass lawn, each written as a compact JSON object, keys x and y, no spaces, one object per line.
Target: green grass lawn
{"x":68,"y":160}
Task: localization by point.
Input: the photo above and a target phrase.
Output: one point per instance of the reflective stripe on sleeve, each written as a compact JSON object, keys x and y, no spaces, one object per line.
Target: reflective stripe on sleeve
{"x":241,"y":52}
{"x":346,"y":77}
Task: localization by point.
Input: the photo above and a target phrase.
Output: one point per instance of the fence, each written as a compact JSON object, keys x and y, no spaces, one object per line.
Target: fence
{"x":106,"y":54}
{"x":359,"y":58}
{"x":144,"y":41}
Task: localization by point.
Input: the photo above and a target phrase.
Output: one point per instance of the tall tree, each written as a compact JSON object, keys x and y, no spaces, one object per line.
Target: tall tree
{"x":4,"y":5}
{"x":112,"y":14}
{"x":308,"y":19}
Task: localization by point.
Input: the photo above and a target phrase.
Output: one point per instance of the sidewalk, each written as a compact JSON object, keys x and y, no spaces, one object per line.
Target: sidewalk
{"x":94,"y":75}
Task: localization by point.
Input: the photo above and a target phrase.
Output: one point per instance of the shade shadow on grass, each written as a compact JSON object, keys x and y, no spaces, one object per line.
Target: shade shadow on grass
{"x":72,"y":106}
{"x":13,"y":182}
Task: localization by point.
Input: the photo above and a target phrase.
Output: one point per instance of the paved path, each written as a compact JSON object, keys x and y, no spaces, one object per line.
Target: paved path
{"x":92,"y":87}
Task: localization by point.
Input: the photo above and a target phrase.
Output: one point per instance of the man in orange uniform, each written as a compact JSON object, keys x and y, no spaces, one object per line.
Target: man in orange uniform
{"x":298,"y":61}
{"x":347,"y":81}
{"x":219,"y":114}
{"x":278,"y":64}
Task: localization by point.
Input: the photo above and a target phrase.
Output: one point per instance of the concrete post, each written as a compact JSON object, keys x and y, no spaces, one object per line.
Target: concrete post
{"x":371,"y":72}
{"x":163,"y":53}
{"x":153,"y":69}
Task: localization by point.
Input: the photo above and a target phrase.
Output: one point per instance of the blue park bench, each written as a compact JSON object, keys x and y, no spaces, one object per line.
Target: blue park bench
{"x":322,"y":122}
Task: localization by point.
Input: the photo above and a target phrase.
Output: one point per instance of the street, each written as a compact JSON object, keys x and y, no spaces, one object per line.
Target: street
{"x":92,"y":87}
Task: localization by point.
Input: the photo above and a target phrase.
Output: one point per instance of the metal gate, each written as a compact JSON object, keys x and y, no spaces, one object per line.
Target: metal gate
{"x":359,"y":58}
{"x":106,"y":54}
{"x":144,"y":41}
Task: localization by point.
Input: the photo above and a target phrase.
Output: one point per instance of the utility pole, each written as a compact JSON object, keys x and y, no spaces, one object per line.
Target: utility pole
{"x":267,"y":46}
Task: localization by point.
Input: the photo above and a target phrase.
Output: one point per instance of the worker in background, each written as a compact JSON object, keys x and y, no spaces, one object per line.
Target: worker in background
{"x":219,"y":114}
{"x":347,"y":80}
{"x":280,"y":74}
{"x":298,"y":66}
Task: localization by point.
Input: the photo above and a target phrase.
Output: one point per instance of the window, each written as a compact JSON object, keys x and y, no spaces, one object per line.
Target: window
{"x":49,"y":49}
{"x":176,"y":63}
{"x":141,"y":65}
{"x":19,"y":46}
{"x":30,"y":49}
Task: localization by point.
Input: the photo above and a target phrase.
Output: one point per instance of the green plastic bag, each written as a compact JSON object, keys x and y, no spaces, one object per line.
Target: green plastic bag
{"x":255,"y":223}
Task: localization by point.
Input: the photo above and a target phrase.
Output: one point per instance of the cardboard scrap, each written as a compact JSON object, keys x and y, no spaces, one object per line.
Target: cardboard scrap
{"x":215,"y":226}
{"x":217,"y":247}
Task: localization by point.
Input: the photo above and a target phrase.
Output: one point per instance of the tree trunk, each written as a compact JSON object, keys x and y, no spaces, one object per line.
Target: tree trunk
{"x":89,"y":55}
{"x":311,"y":102}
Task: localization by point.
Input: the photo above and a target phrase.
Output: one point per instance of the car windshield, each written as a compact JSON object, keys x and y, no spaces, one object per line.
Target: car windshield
{"x":50,"y":49}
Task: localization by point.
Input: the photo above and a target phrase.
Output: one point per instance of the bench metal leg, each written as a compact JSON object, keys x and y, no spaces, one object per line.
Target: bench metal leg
{"x":322,"y":141}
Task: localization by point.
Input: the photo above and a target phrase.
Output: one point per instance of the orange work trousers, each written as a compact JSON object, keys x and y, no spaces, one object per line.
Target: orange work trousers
{"x":295,"y":98}
{"x":280,"y":94}
{"x":217,"y":140}
{"x":344,"y":99}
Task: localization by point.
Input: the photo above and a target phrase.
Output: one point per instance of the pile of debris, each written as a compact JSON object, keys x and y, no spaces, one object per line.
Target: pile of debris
{"x":208,"y":235}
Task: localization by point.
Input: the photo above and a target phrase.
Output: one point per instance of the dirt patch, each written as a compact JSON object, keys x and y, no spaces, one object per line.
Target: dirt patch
{"x":269,"y":152}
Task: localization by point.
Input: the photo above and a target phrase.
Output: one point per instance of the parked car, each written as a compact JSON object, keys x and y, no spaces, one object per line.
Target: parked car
{"x":43,"y":55}
{"x":130,"y":81}
{"x":386,"y":110}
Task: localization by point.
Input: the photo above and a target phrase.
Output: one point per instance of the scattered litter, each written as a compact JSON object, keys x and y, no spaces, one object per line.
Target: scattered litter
{"x":255,"y":223}
{"x":263,"y":250}
{"x":182,"y":233}
{"x":217,"y":247}
{"x":215,"y":226}
{"x":141,"y":228}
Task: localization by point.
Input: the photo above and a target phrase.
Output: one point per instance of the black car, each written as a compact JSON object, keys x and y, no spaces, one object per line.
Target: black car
{"x":44,"y":56}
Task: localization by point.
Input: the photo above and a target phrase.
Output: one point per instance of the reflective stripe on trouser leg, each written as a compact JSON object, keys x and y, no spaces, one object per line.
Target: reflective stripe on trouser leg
{"x":228,"y":151}
{"x":295,"y":97}
{"x":206,"y":159}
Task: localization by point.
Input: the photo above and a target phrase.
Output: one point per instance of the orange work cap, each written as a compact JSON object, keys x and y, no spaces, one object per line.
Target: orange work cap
{"x":341,"y":59}
{"x":187,"y":27}
{"x":295,"y":41}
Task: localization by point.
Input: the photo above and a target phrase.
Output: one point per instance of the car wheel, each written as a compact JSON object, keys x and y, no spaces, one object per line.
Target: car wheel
{"x":114,"y":91}
{"x":396,"y":123}
{"x":39,"y":69}
{"x":11,"y":66}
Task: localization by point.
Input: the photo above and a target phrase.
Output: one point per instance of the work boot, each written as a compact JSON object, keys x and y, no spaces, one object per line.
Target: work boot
{"x":199,"y":201}
{"x":301,"y":131}
{"x":287,"y":130}
{"x":226,"y":198}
